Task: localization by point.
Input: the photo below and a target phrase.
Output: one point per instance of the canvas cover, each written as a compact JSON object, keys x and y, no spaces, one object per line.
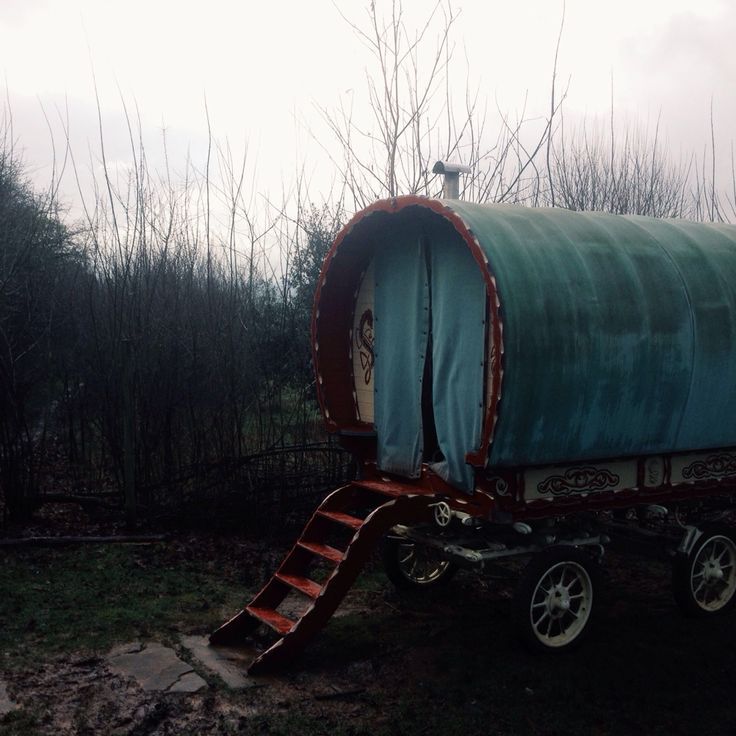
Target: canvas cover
{"x":429,"y":295}
{"x":458,"y":298}
{"x":400,"y":323}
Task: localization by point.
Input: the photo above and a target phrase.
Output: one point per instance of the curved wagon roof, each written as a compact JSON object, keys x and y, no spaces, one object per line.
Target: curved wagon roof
{"x":607,"y":335}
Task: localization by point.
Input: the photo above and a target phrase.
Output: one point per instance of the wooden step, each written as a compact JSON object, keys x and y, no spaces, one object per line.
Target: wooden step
{"x":344,"y":519}
{"x":392,"y":488}
{"x":280,"y":624}
{"x":304,"y":585}
{"x":404,"y":507}
{"x":323,"y":550}
{"x":383,"y":487}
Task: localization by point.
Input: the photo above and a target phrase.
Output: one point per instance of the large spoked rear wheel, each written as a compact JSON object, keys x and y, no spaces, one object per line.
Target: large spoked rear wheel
{"x":412,"y":566}
{"x":704,"y":582}
{"x":554,"y":599}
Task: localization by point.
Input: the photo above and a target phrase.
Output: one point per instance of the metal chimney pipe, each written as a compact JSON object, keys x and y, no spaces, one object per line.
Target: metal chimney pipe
{"x":451,"y":182}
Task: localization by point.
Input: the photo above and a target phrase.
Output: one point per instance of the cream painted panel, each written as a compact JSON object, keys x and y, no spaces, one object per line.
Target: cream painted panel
{"x":362,"y":346}
{"x":578,"y":480}
{"x":702,"y":466}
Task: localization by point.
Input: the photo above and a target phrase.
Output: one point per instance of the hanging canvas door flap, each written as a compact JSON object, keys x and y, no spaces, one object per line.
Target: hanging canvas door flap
{"x":458,"y":339}
{"x":401,"y":328}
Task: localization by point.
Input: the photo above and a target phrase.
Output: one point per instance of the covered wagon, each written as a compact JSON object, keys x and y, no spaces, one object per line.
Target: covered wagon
{"x":520,"y":381}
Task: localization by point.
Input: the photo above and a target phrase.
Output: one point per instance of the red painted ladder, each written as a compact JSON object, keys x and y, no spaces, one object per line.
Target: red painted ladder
{"x":382,"y":505}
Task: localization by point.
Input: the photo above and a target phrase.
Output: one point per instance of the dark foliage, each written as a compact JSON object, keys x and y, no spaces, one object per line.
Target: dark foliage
{"x":39,"y":267}
{"x":144,"y":360}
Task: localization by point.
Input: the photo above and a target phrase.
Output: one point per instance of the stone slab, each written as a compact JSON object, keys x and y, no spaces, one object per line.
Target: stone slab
{"x":189,"y":682}
{"x":154,"y":667}
{"x":229,"y":664}
{"x":6,"y":704}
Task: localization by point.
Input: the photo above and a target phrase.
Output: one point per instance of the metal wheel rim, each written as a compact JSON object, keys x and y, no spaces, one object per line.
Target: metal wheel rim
{"x":419,"y":565}
{"x":713,"y":574}
{"x":561,"y":604}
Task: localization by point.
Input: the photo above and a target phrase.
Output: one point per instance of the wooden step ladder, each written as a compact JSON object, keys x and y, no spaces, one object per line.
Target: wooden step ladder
{"x":365,"y":511}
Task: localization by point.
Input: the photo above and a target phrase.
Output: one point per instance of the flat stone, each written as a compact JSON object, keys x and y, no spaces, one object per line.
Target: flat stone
{"x":6,"y":704}
{"x":188,"y":683}
{"x":129,"y":648}
{"x":154,"y":667}
{"x":229,"y":664}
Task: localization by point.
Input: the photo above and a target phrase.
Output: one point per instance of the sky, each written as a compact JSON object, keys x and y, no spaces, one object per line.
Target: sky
{"x":265,"y":69}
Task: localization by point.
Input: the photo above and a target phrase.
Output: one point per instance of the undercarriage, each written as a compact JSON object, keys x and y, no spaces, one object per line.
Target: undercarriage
{"x":555,"y":592}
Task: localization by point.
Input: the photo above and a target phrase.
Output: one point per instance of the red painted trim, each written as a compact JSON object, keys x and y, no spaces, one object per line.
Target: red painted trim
{"x":333,"y":406}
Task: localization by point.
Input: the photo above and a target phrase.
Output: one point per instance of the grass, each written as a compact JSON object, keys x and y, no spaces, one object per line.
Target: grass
{"x":19,"y":723}
{"x":444,"y":663}
{"x":91,"y":597}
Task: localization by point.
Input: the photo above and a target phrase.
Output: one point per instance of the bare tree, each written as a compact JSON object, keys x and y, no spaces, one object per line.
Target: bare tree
{"x":594,"y":167}
{"x":194,"y":318}
{"x":414,"y":117}
{"x":711,"y":202}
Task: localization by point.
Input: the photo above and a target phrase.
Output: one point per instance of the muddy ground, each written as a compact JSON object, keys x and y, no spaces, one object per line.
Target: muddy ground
{"x":389,"y":663}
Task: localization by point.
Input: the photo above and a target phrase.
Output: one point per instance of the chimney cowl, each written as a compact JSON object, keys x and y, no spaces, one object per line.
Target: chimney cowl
{"x":451,"y":173}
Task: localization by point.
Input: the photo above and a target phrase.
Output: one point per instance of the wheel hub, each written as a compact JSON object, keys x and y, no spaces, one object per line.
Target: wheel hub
{"x":713,"y":572}
{"x":558,"y":602}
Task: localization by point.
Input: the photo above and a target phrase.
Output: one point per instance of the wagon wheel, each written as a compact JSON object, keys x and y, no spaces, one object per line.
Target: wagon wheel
{"x":409,"y":565}
{"x":704,"y":582}
{"x":554,"y":599}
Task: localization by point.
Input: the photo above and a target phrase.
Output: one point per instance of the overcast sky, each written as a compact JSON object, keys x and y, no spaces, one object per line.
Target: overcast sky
{"x":263,"y":66}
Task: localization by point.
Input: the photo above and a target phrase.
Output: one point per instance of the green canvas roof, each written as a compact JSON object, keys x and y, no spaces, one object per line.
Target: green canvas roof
{"x":619,"y":333}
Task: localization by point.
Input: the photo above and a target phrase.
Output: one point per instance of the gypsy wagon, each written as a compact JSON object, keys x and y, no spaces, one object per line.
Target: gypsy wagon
{"x":519,"y":382}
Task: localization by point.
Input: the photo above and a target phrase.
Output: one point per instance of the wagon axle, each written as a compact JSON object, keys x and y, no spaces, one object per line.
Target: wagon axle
{"x":554,"y":597}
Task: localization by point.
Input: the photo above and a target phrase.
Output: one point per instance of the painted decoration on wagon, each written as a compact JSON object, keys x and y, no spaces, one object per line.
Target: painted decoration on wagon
{"x":362,"y":345}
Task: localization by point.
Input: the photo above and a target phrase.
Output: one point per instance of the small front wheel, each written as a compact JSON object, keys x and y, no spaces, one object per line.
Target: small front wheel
{"x":411,"y":566}
{"x":554,"y":599}
{"x":704,"y":582}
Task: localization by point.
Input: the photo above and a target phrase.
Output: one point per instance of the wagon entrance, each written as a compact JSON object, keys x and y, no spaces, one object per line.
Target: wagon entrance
{"x":429,"y":343}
